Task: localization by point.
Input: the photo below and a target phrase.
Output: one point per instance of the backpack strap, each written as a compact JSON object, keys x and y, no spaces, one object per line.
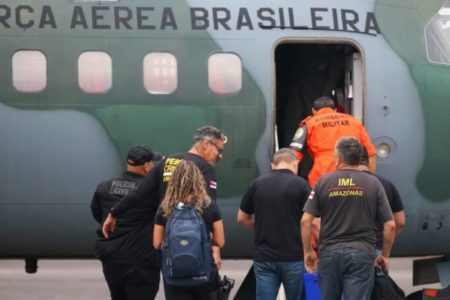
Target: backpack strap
{"x":182,"y":208}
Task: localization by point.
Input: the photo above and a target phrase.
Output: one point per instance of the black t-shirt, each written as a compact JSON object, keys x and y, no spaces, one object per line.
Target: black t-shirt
{"x":209,"y":215}
{"x":349,"y":202}
{"x":395,"y":202}
{"x":131,"y":242}
{"x":154,"y":184}
{"x":276,"y":199}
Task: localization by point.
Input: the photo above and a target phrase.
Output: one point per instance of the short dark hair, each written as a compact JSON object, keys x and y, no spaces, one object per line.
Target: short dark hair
{"x":349,"y":150}
{"x":284,"y":154}
{"x":323,"y":102}
{"x":365,"y":156}
{"x":208,"y":132}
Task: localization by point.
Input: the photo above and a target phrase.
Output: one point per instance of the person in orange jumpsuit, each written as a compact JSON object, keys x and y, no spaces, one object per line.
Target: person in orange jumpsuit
{"x":320,"y":133}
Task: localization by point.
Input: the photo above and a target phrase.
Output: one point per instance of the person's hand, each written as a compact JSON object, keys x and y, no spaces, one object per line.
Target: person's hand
{"x":216,"y":256}
{"x":382,"y":261}
{"x":311,"y":261}
{"x":109,"y":225}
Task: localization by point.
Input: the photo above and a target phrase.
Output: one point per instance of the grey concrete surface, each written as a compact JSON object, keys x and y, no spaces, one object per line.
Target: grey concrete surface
{"x":83,"y":279}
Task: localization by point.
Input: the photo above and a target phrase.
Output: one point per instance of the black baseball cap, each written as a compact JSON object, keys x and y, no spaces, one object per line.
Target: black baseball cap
{"x":140,"y":154}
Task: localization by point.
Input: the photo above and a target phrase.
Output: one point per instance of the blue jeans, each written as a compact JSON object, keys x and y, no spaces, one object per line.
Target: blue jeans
{"x":269,"y":276}
{"x":346,"y":270}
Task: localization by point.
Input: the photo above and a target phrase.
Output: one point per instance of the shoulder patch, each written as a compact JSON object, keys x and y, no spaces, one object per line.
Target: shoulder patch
{"x":300,"y":131}
{"x":213,"y":184}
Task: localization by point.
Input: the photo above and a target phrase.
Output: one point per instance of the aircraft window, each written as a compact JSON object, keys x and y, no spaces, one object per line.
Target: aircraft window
{"x":437,"y":36}
{"x":225,"y":73}
{"x":29,"y":71}
{"x":94,"y":72}
{"x":160,"y":73}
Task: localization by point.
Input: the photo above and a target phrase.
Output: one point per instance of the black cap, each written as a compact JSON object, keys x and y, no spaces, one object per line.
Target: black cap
{"x":140,"y":154}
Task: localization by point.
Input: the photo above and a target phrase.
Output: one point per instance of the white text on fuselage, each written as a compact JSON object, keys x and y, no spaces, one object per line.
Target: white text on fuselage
{"x":199,"y":18}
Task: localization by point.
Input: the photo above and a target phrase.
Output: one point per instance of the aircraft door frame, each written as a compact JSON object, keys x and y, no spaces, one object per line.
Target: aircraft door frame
{"x":354,"y":85}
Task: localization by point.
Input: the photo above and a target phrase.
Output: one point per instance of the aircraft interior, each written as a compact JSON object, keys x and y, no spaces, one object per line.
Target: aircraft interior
{"x":305,"y":72}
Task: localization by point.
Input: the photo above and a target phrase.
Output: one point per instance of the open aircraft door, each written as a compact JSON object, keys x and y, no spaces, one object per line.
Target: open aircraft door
{"x":308,"y":70}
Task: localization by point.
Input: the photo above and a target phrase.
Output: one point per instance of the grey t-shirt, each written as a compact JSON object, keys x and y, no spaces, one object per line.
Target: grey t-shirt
{"x":349,"y":202}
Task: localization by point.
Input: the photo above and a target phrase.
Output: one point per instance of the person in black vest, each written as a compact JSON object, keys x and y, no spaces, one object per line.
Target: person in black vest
{"x":130,"y":263}
{"x":187,"y":187}
{"x":276,"y":200}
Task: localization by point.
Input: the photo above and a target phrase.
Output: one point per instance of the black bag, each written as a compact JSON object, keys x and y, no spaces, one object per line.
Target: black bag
{"x":385,"y":287}
{"x":226,"y":284}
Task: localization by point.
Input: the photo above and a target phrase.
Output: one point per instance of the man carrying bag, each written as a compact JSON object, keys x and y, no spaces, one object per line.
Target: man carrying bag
{"x":385,"y":287}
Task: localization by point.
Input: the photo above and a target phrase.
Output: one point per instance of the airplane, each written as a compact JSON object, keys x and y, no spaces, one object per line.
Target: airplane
{"x":82,"y":80}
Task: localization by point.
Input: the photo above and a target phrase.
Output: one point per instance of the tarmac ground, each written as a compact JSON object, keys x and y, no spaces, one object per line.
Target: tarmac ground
{"x":83,"y":279}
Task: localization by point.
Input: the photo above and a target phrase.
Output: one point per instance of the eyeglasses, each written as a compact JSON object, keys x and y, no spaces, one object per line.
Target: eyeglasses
{"x":220,"y":150}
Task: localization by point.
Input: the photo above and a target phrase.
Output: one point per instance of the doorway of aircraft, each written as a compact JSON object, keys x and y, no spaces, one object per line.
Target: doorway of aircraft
{"x":306,"y":71}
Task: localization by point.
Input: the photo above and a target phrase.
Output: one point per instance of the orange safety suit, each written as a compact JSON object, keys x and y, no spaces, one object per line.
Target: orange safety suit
{"x":323,"y":129}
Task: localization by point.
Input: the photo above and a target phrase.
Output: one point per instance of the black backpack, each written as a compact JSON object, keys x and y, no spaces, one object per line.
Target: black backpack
{"x":186,"y":251}
{"x":385,"y":287}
